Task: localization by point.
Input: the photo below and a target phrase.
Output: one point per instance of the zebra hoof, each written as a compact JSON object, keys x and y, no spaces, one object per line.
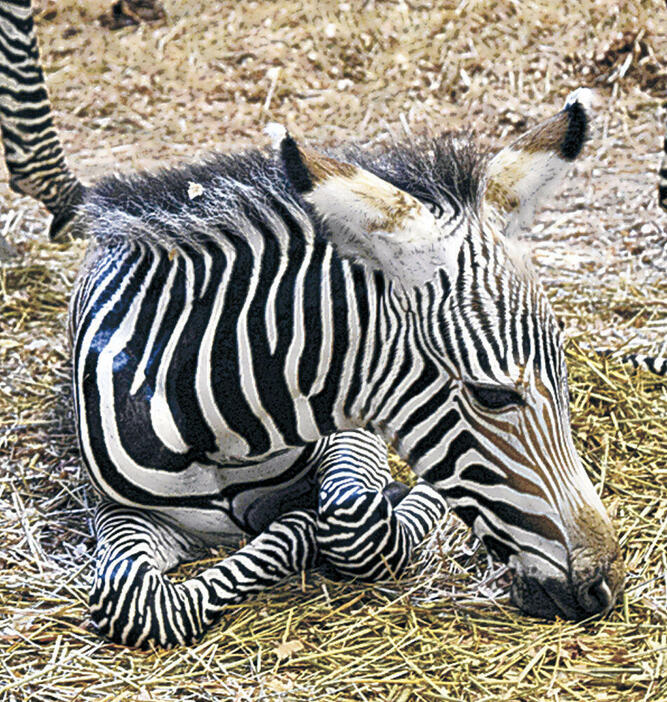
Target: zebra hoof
{"x":395,"y":492}
{"x":330,"y":572}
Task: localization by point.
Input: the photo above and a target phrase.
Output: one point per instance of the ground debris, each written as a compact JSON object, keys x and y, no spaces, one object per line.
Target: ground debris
{"x":125,"y":13}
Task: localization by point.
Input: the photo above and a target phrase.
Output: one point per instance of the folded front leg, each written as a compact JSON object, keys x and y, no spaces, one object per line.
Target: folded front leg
{"x":366,"y":528}
{"x":134,"y":603}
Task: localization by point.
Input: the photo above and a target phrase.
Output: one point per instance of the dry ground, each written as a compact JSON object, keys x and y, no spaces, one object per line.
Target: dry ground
{"x":210,"y":76}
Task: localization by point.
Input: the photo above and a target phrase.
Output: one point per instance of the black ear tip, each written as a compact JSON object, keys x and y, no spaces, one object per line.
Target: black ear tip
{"x":296,"y":170}
{"x":289,"y":149}
{"x":576,"y":133}
{"x":577,"y":108}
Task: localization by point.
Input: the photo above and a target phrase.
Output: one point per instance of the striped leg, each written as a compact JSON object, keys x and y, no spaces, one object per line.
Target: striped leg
{"x":367,"y":526}
{"x":652,"y":364}
{"x":134,"y":603}
{"x":33,"y":152}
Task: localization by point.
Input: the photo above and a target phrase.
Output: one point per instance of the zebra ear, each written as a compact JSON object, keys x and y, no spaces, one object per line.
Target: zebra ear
{"x":370,"y":220}
{"x":522,"y":174}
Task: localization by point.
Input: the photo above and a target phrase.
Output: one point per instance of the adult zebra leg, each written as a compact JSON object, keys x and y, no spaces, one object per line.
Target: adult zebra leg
{"x":33,"y":152}
{"x":367,"y":525}
{"x":134,"y":603}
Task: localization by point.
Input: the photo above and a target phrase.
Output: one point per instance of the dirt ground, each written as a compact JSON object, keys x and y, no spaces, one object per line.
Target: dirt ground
{"x":209,"y":76}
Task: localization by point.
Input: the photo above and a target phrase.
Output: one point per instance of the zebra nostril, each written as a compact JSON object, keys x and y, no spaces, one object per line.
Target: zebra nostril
{"x":595,"y":596}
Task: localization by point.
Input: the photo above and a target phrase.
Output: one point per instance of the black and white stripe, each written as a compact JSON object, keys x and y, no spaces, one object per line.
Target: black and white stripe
{"x":133,"y":602}
{"x":33,"y":152}
{"x":363,"y":526}
{"x":655,"y":363}
{"x":215,"y":372}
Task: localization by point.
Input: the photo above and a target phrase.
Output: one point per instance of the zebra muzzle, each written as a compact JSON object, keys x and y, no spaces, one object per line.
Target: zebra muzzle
{"x":552,"y":597}
{"x":590,"y":586}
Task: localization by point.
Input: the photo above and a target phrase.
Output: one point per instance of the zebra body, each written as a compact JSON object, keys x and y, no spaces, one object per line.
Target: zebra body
{"x":248,"y":332}
{"x":183,"y":313}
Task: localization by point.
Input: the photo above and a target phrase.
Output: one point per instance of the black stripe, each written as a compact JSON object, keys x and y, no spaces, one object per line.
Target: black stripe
{"x":427,"y":377}
{"x":268,"y":368}
{"x":23,"y":75}
{"x":323,"y":402}
{"x":428,"y":409}
{"x":431,"y":439}
{"x":380,"y":289}
{"x":380,"y":381}
{"x":538,"y":524}
{"x":312,"y":300}
{"x":226,"y":373}
{"x":463,"y":442}
{"x":363,"y":314}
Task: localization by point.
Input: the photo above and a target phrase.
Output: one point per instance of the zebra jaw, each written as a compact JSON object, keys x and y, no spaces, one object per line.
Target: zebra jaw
{"x":593,"y":582}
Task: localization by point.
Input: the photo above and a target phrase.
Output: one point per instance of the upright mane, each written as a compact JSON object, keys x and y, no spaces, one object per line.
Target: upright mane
{"x":189,"y":203}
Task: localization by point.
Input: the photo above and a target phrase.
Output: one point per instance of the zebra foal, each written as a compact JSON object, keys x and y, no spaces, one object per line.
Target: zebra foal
{"x":248,"y":332}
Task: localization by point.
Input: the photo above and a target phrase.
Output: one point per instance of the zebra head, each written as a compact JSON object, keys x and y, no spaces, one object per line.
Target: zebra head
{"x":475,"y":397}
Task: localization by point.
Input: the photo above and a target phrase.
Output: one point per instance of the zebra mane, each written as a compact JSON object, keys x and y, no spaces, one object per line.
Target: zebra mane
{"x":186,"y":204}
{"x":193,"y":203}
{"x":447,"y":166}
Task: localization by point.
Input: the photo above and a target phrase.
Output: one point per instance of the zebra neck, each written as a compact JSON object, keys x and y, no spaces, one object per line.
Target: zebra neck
{"x":352,"y":338}
{"x":408,"y":395}
{"x":383,"y":358}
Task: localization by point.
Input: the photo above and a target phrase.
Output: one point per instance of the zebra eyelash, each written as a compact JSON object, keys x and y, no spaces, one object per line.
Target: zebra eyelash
{"x":433,"y":207}
{"x":495,"y":398}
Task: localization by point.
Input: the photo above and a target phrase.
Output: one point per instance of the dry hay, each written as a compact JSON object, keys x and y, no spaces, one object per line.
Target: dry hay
{"x":212,"y":74}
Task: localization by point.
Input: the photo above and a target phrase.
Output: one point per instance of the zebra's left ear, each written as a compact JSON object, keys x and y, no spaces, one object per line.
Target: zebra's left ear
{"x":522,"y":174}
{"x":368,"y":219}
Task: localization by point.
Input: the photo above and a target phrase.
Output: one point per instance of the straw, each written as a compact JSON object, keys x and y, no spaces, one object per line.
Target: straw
{"x":201,"y":79}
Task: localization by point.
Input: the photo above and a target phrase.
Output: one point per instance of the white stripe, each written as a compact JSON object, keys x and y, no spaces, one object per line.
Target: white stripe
{"x":195,"y":480}
{"x":229,"y":443}
{"x":270,"y":312}
{"x":208,"y":263}
{"x":163,"y":303}
{"x":162,"y":419}
{"x":345,"y":379}
{"x":326,"y":316}
{"x":244,"y":344}
{"x":306,"y":425}
{"x":391,"y":327}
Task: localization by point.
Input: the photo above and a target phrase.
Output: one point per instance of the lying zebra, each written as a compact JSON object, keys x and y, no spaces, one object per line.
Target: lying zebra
{"x":249,"y":331}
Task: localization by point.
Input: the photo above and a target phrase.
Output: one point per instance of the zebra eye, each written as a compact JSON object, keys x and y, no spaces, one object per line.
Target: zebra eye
{"x":495,"y":398}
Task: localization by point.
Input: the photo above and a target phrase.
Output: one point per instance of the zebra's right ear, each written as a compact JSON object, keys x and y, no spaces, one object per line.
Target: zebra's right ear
{"x":369,"y":220}
{"x":522,"y":174}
